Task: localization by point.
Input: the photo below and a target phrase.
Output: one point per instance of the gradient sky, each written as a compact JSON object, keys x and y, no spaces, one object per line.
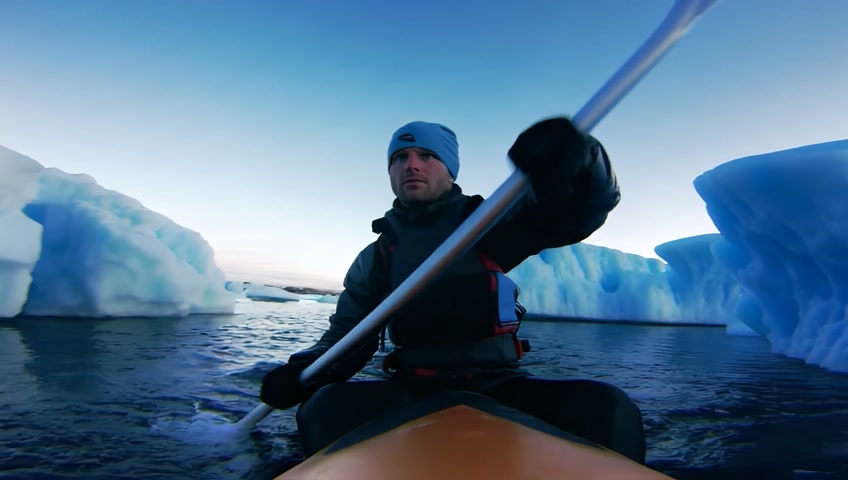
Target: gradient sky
{"x":263,"y":125}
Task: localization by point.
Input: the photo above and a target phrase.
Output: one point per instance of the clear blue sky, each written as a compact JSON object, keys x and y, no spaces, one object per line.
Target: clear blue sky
{"x":263,"y":124}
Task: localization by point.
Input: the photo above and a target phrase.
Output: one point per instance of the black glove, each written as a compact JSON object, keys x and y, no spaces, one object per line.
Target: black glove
{"x":551,"y":150}
{"x":281,"y":387}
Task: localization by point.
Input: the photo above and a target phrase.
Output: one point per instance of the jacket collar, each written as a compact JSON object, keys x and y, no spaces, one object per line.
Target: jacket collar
{"x":427,"y":212}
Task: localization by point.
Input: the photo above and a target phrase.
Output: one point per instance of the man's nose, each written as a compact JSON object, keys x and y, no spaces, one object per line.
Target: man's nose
{"x":413,"y":161}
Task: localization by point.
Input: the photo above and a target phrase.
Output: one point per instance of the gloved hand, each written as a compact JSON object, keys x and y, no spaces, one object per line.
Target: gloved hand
{"x":551,"y":150}
{"x":281,"y":387}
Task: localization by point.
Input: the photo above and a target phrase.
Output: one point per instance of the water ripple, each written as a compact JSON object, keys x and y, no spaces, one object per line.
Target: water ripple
{"x":85,"y":398}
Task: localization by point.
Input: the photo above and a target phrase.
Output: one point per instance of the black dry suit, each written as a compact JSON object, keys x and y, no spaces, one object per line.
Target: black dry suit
{"x":467,"y":318}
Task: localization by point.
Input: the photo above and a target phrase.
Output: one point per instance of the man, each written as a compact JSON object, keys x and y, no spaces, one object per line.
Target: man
{"x":460,"y":333}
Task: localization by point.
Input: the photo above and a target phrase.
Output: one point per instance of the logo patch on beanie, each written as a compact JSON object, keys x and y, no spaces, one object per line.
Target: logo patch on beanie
{"x":407,"y":137}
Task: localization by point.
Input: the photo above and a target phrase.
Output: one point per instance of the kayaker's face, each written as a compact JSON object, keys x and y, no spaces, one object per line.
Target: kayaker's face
{"x":417,"y":176}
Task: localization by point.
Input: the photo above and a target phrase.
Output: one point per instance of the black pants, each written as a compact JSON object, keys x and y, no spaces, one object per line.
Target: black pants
{"x":597,"y":411}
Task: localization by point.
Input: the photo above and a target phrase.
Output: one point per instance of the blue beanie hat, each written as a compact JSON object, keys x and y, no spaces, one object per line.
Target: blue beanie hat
{"x":439,"y":139}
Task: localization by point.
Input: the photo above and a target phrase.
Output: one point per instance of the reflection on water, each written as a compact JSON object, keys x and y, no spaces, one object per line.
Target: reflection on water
{"x":712,"y":402}
{"x":84,"y":398}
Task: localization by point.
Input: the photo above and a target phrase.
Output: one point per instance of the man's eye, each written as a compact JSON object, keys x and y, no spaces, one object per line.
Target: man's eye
{"x":401,"y":157}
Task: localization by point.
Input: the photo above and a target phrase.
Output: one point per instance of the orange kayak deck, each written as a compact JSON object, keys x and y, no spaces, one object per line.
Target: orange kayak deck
{"x":464,"y":442}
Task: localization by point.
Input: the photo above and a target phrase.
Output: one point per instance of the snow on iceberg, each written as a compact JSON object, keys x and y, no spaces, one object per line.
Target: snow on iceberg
{"x":591,"y":282}
{"x":586,"y":281}
{"x":100,"y":253}
{"x":703,"y":290}
{"x":266,"y":293}
{"x":235,"y":287}
{"x":269,"y":293}
{"x":782,"y":218}
{"x":20,"y":244}
{"x":328,"y":298}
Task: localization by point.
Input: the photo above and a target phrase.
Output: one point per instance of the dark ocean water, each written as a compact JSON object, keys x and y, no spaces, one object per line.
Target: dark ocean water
{"x":124,"y":398}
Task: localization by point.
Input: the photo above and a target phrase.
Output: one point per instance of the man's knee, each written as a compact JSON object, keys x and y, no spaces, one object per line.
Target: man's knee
{"x":626,"y":429}
{"x":616,"y":397}
{"x":339,"y":408}
{"x":323,"y":400}
{"x":325,"y":416}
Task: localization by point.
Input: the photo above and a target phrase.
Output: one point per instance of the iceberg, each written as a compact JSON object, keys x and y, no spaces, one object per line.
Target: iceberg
{"x":784,"y":238}
{"x":82,"y":250}
{"x":19,"y":251}
{"x":590,"y":282}
{"x":235,"y":287}
{"x":267,"y":293}
{"x":328,"y":298}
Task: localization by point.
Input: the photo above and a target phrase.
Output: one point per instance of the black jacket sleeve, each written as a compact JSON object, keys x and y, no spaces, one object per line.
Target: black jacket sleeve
{"x":365,"y":285}
{"x":559,"y":210}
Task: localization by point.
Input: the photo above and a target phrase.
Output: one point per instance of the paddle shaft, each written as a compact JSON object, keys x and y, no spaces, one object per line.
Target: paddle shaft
{"x":675,"y":25}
